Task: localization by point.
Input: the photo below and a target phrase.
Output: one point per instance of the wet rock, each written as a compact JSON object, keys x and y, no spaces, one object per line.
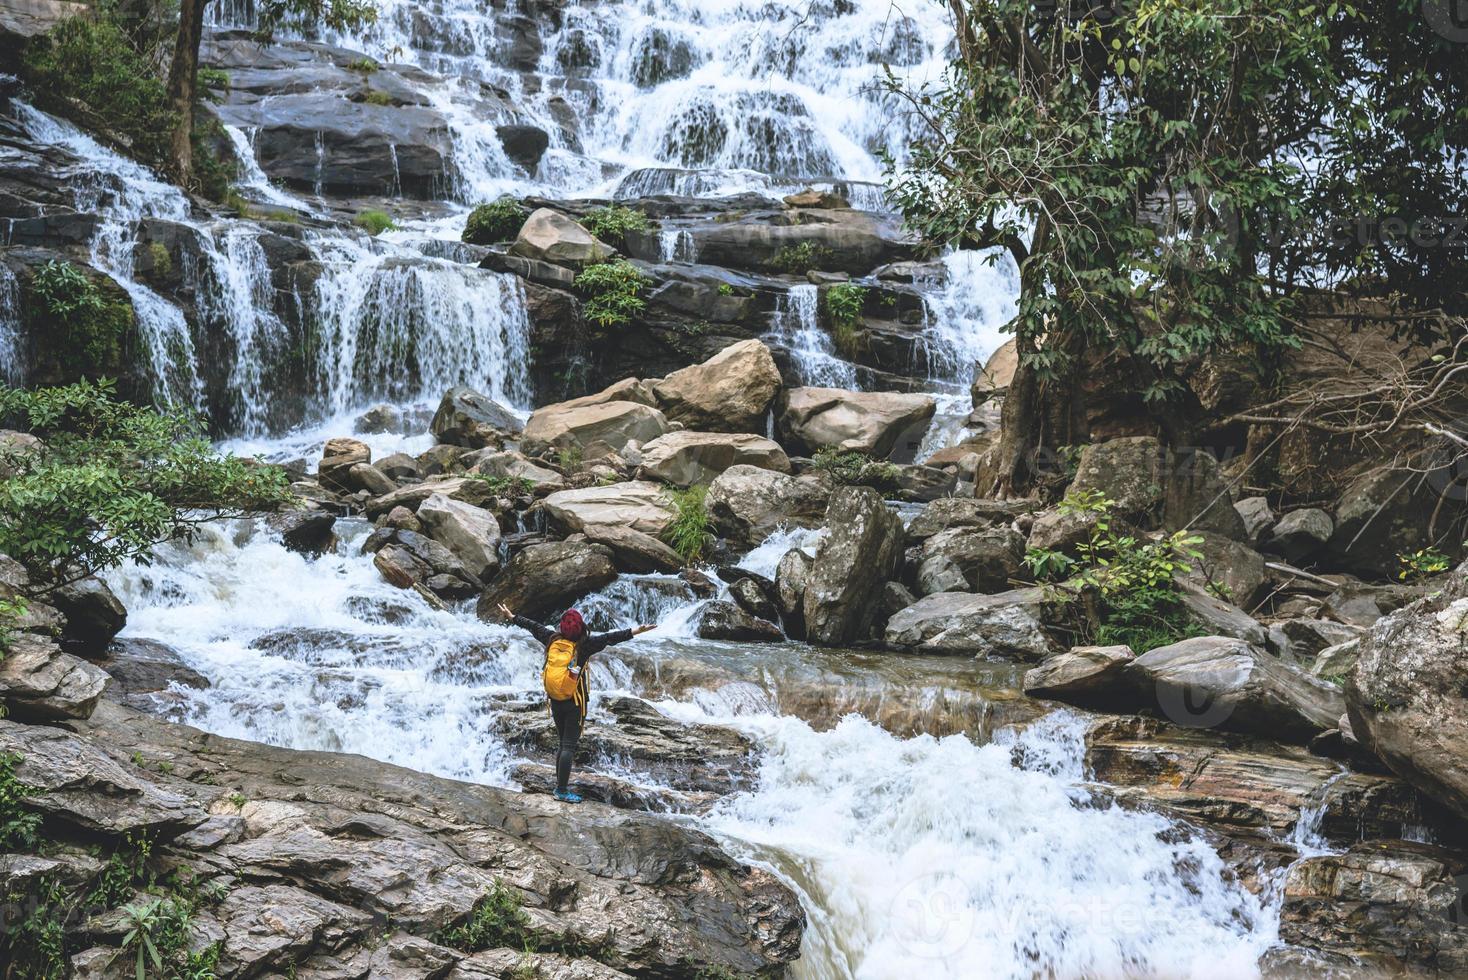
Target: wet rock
{"x":746,"y":503}
{"x":754,"y":597}
{"x":632,"y":550}
{"x":1258,"y":517}
{"x":1336,"y":662}
{"x":880,"y":424}
{"x":401,"y":519}
{"x":552,"y":237}
{"x":686,"y":458}
{"x":925,"y":483}
{"x":81,"y":785}
{"x":93,"y":615}
{"x":1383,"y":908}
{"x":846,"y":240}
{"x":728,"y":621}
{"x":851,"y":563}
{"x":472,"y":420}
{"x":1089,"y":676}
{"x":440,"y":459}
{"x":515,"y":466}
{"x":1222,"y":682}
{"x":524,"y":145}
{"x":1300,"y":533}
{"x":470,"y":491}
{"x":306,"y":532}
{"x":895,"y":598}
{"x":399,"y":467}
{"x":950,"y":512}
{"x":1005,"y":625}
{"x":1306,"y":638}
{"x":968,"y":559}
{"x":471,"y":533}
{"x":791,"y":576}
{"x":41,"y":682}
{"x":641,"y":506}
{"x":1406,"y":695}
{"x":365,"y":476}
{"x":507,"y":964}
{"x":546,"y":578}
{"x":338,"y":457}
{"x":379,"y":419}
{"x":730,"y":392}
{"x":140,"y":667}
{"x":592,"y":430}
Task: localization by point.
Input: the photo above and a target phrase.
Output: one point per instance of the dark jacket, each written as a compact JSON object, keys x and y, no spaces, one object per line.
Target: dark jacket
{"x":586,"y":646}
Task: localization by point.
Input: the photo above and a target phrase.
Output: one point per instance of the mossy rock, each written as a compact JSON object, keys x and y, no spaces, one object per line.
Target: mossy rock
{"x":79,"y":323}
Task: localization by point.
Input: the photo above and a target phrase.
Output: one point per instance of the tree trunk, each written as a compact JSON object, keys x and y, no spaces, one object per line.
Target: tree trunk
{"x":182,"y":77}
{"x":1038,"y":417}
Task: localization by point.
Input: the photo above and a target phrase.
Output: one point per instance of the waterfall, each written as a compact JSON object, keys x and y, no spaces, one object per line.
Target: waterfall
{"x":12,"y":346}
{"x":797,"y":328}
{"x":238,"y":294}
{"x":253,"y":179}
{"x":966,"y":311}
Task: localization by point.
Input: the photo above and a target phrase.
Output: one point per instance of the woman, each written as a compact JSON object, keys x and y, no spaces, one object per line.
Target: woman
{"x":567,"y":681}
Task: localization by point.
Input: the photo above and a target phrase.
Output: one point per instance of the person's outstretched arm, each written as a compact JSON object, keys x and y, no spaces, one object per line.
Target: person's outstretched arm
{"x":595,"y":643}
{"x":541,"y":632}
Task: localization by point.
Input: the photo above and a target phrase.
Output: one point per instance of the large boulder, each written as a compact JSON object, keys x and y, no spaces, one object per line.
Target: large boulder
{"x":971,"y":559}
{"x":726,"y":621}
{"x":338,"y":457}
{"x":1229,"y":565}
{"x":791,"y":575}
{"x":747,"y":503}
{"x":472,"y":420}
{"x":851,"y":564}
{"x":93,"y":614}
{"x":1091,"y":676}
{"x":1386,"y":513}
{"x":510,"y":465}
{"x":593,"y":430}
{"x":1406,"y":695}
{"x":470,"y":491}
{"x":1222,"y":682}
{"x":1196,"y":497}
{"x":552,"y":237}
{"x":1217,"y":617}
{"x":638,"y":505}
{"x":1300,"y":533}
{"x":546,"y":578}
{"x":730,"y":392}
{"x":686,"y":458}
{"x":632,"y":550}
{"x":878,"y":423}
{"x":950,"y":512}
{"x":1007,"y":624}
{"x":41,"y":682}
{"x":471,"y":533}
{"x":1130,"y":471}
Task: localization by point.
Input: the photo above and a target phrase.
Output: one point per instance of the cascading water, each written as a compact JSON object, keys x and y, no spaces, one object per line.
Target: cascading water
{"x":12,"y":348}
{"x":797,"y":328}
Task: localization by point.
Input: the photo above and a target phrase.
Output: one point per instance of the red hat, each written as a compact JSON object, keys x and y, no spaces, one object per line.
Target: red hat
{"x":573,"y":627}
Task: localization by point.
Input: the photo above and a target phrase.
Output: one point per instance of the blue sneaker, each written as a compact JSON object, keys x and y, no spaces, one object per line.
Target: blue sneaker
{"x":566,"y":796}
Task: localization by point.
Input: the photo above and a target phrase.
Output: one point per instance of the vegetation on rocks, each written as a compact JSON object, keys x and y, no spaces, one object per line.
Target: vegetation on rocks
{"x":853,"y":468}
{"x":843,"y":303}
{"x":497,"y":221}
{"x":374,"y":222}
{"x":689,"y":534}
{"x":1118,"y":590}
{"x":1422,"y":564}
{"x":89,"y":327}
{"x":12,"y":609}
{"x":112,"y":480}
{"x":19,"y":826}
{"x":612,"y":292}
{"x":800,"y":258}
{"x":497,"y":921}
{"x":612,"y":223}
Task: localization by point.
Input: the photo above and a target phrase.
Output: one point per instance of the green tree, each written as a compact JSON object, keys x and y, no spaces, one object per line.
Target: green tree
{"x":112,"y":480}
{"x":1171,"y":177}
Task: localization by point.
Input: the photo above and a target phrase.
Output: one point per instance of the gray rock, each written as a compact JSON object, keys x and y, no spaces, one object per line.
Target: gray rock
{"x":1090,"y":676}
{"x":1337,"y":662}
{"x":399,"y":467}
{"x":879,"y":424}
{"x":730,"y":392}
{"x":1062,"y":530}
{"x":1130,"y":471}
{"x":746,"y":504}
{"x":1308,"y":637}
{"x":546,"y":578}
{"x":1300,"y":533}
{"x":686,"y":458}
{"x":93,"y":614}
{"x":140,"y":667}
{"x":472,"y":420}
{"x":727,"y":621}
{"x":308,"y":531}
{"x":1005,"y":625}
{"x":1221,"y":618}
{"x":791,"y":576}
{"x":985,"y":560}
{"x":471,"y":533}
{"x":632,"y":550}
{"x":379,"y":419}
{"x":1197,"y":498}
{"x":1222,"y":682}
{"x":851,"y":564}
{"x":948,"y":512}
{"x":41,"y":682}
{"x":754,"y":598}
{"x":1258,"y":517}
{"x":1231,"y":564}
{"x":338,"y":456}
{"x":639,"y":505}
{"x":365,"y":476}
{"x":550,"y":236}
{"x":1388,"y":512}
{"x":515,"y":466}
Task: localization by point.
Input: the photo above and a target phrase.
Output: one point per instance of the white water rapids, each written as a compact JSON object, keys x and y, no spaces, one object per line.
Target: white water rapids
{"x":967,"y":856}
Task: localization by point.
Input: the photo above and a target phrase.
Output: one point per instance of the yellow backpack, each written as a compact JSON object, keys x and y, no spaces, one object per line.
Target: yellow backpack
{"x":560,"y":683}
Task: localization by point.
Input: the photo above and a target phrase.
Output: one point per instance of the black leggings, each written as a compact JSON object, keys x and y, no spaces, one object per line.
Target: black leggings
{"x":567,"y":715}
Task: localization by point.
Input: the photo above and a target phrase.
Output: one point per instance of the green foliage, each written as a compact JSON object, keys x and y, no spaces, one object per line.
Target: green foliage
{"x":376,"y":96}
{"x":1120,"y":590}
{"x":611,"y":224}
{"x":800,"y":258}
{"x":569,"y":459}
{"x":843,"y":312}
{"x":1174,"y":178}
{"x":374,"y":222}
{"x":497,"y":221}
{"x":12,"y":610}
{"x":1422,"y":564}
{"x":725,"y":289}
{"x":612,"y":292}
{"x":689,"y":533}
{"x":90,"y":326}
{"x":213,"y":78}
{"x":853,"y":468}
{"x":364,"y":65}
{"x":305,"y":15}
{"x":19,"y":826}
{"x":497,"y":920}
{"x":112,"y":480}
{"x":504,"y":486}
{"x":161,"y":260}
{"x":87,"y":69}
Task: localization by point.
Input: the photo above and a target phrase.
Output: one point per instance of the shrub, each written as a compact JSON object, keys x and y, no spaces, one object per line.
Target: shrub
{"x":800,"y":258}
{"x":12,"y":609}
{"x":18,"y":825}
{"x":1121,"y":590}
{"x":611,"y":224}
{"x":1422,"y":564}
{"x":497,"y":221}
{"x":504,"y":486}
{"x":853,"y":468}
{"x":689,"y":533}
{"x":374,"y":222}
{"x":112,"y":480}
{"x":90,"y":325}
{"x":843,"y":312}
{"x":497,"y":920}
{"x":376,"y":96}
{"x":613,"y":292}
{"x":161,"y":260}
{"x":364,"y":65}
